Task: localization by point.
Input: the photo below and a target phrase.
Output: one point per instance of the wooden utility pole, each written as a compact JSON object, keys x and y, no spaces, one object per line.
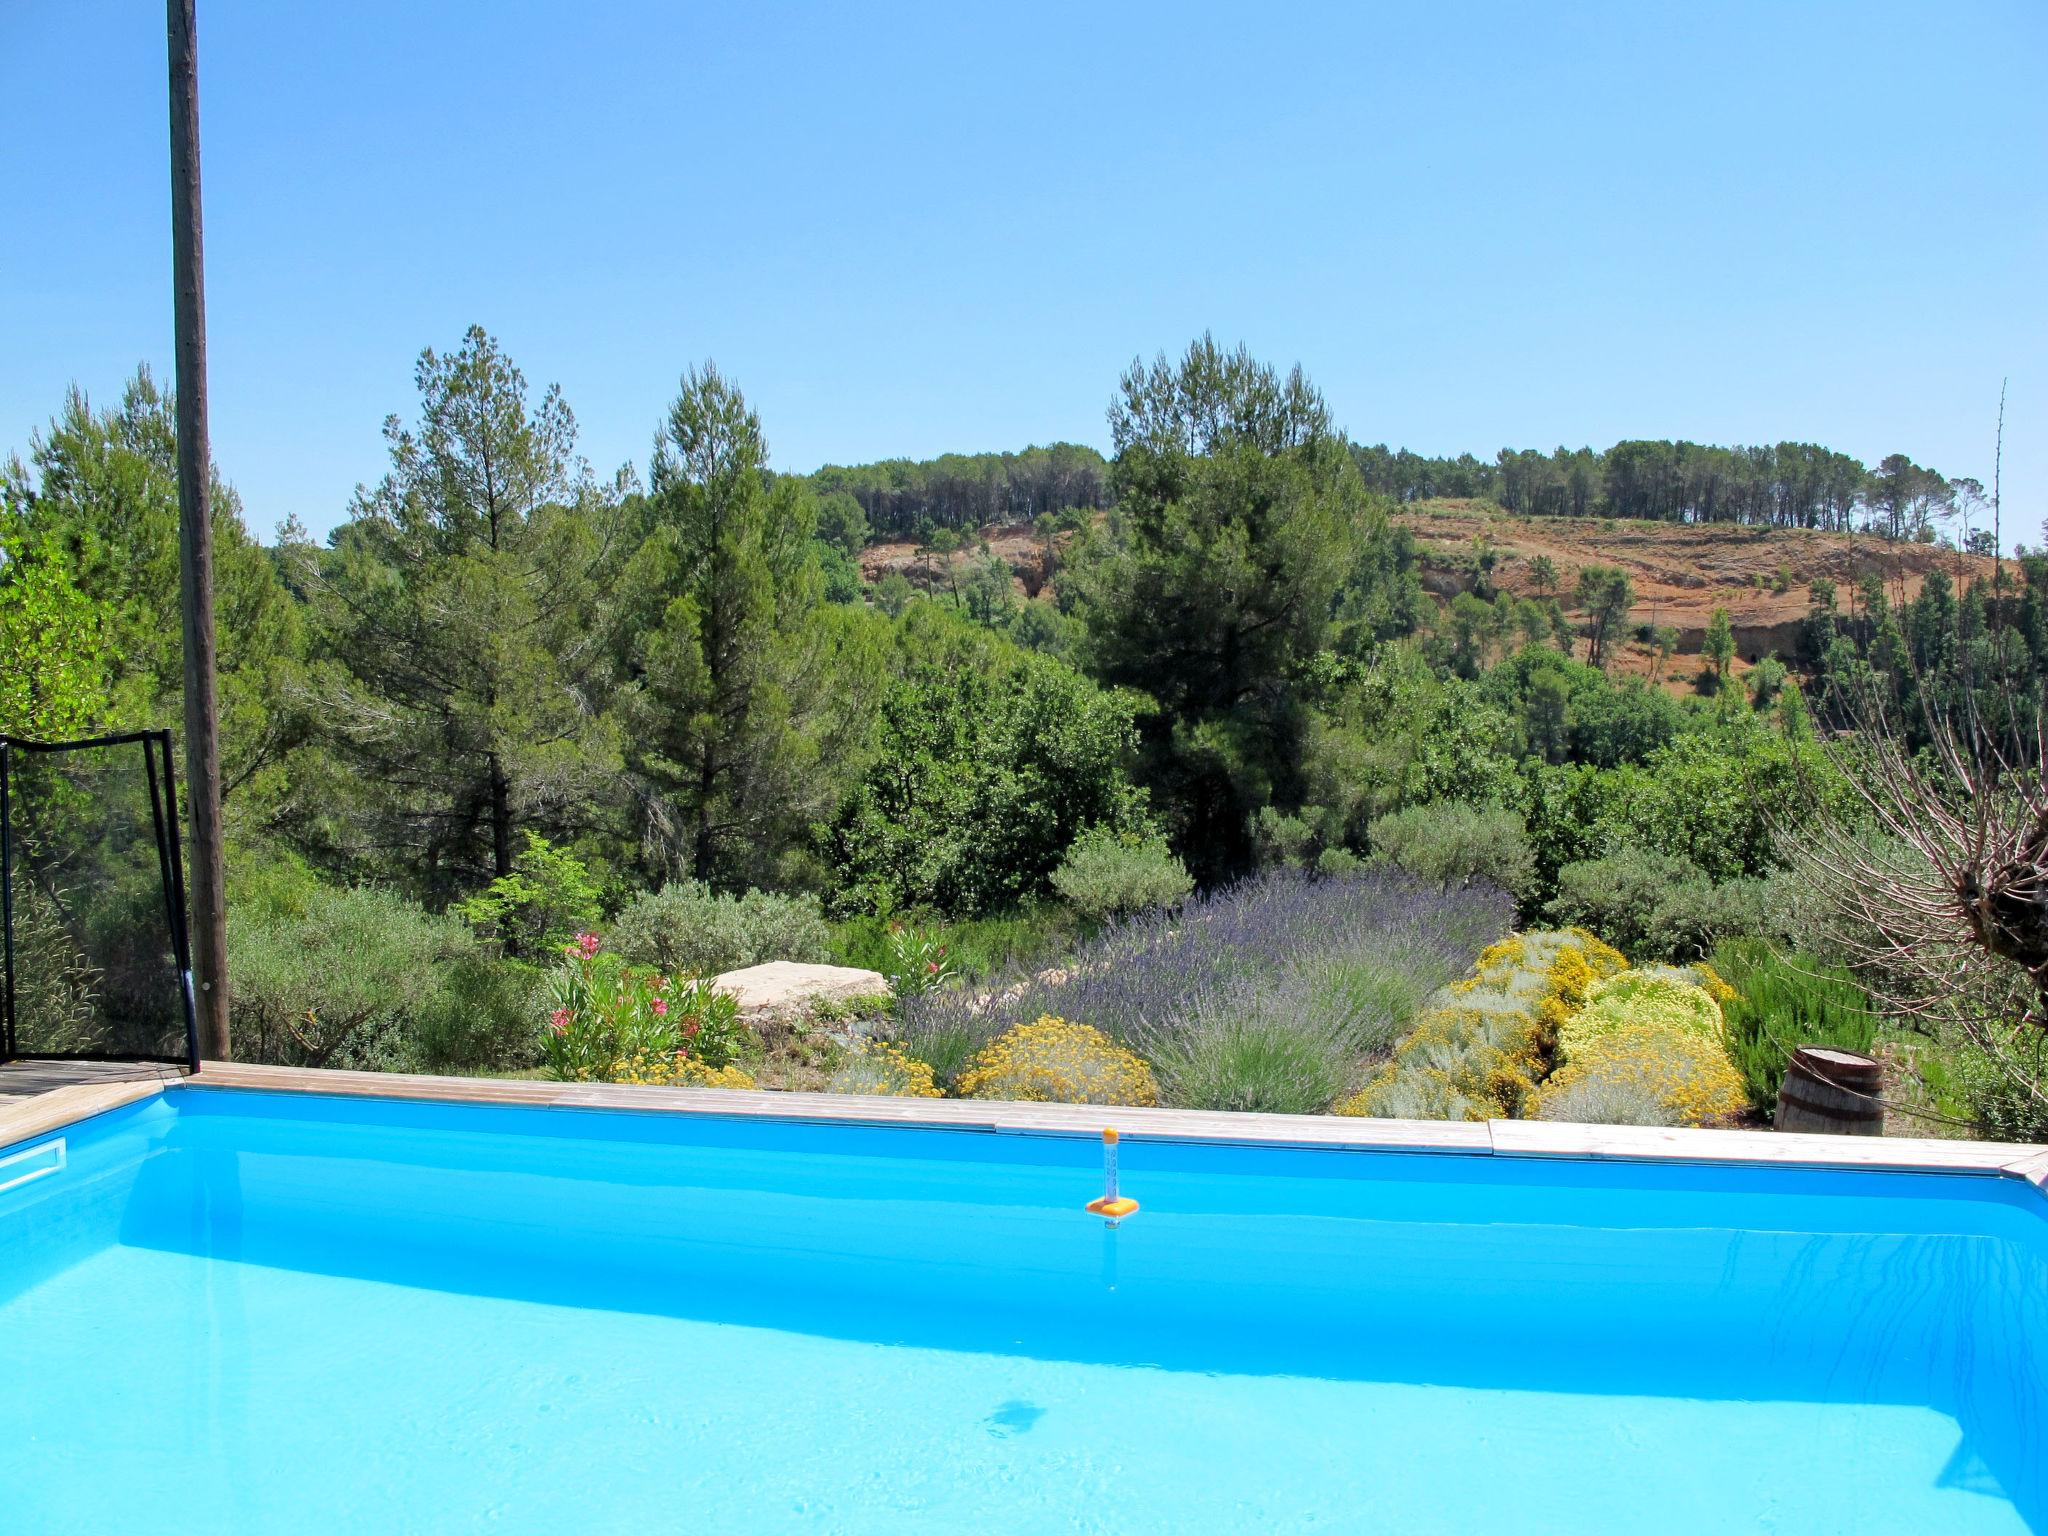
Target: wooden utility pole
{"x":195,"y":545}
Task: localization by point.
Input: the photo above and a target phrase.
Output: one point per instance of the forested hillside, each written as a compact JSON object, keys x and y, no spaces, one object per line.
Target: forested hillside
{"x":1783,"y":485}
{"x":506,"y":696}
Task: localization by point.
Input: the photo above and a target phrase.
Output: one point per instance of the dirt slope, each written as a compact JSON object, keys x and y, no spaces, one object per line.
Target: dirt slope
{"x":1681,"y":574}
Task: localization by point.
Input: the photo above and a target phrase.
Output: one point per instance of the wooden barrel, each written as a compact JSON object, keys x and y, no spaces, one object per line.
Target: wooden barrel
{"x":1830,"y":1090}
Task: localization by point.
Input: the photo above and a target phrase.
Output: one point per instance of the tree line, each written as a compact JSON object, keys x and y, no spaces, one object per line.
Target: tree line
{"x":903,"y":497}
{"x":1783,"y":485}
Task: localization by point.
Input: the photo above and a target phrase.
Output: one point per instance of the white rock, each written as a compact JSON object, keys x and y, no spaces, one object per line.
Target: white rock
{"x":784,"y":986}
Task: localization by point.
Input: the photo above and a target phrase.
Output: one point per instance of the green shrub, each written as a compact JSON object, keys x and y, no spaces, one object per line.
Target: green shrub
{"x":1280,"y":841}
{"x":1782,"y":1002}
{"x":988,"y":762}
{"x":1334,"y":863}
{"x":548,"y":897}
{"x":57,"y":987}
{"x":975,"y":948}
{"x":1656,"y":906}
{"x":1962,"y":1079}
{"x":478,"y":1017}
{"x":686,"y":929}
{"x":1262,"y":1065}
{"x":1454,"y":844}
{"x":1107,"y":875}
{"x":347,"y":976}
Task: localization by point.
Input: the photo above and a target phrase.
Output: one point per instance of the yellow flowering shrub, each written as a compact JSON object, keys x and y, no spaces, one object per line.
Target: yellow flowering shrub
{"x":1486,"y":1043}
{"x":658,"y":1069}
{"x":1685,"y":1070}
{"x":875,"y":1067}
{"x":1638,"y":1001}
{"x":1716,"y":988}
{"x":1054,"y":1060}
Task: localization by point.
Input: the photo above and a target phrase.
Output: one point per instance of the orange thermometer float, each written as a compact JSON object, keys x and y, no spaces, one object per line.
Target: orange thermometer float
{"x":1112,"y":1205}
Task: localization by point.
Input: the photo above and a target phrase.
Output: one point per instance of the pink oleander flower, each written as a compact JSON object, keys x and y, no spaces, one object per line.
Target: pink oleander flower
{"x":558,"y":1021}
{"x":660,"y":1008}
{"x":587,"y":942}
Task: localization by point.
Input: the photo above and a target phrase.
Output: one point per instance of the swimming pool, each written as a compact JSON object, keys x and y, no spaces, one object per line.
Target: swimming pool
{"x":253,"y":1312}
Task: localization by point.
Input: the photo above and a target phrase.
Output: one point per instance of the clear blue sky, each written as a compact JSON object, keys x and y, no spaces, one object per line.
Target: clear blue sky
{"x":908,"y":230}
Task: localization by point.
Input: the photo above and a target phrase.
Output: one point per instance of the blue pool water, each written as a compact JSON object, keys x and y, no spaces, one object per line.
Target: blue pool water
{"x":239,"y":1312}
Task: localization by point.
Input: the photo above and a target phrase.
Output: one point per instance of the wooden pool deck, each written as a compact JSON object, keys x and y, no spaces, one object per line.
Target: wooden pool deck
{"x":29,"y":1079}
{"x":37,"y":1097}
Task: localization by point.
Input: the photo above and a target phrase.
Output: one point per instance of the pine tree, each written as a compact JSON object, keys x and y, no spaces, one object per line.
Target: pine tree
{"x":464,"y":682}
{"x":750,"y":692}
{"x":1238,"y":508}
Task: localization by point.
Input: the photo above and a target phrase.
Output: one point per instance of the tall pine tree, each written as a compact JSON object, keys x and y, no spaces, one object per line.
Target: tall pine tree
{"x":465,"y":683}
{"x":750,"y":693}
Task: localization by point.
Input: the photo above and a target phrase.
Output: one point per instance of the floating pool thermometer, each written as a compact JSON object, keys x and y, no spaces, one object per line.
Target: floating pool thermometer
{"x":1113,"y":1205}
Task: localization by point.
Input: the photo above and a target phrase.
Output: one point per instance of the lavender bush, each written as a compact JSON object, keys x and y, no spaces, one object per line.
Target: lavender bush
{"x":1274,"y":994}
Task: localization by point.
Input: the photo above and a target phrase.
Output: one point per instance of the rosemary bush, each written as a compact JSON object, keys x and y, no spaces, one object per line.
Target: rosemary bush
{"x":1780,"y":1003}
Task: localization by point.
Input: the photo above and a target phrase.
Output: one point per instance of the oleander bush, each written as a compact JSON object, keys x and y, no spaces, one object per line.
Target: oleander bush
{"x":1058,"y":1061}
{"x":1107,"y":874}
{"x":878,"y":1068}
{"x":1778,"y":1003}
{"x":603,"y":1011}
{"x":687,"y":929}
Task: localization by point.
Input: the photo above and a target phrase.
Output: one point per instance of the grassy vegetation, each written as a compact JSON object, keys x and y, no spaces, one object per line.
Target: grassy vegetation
{"x":1781,"y":1003}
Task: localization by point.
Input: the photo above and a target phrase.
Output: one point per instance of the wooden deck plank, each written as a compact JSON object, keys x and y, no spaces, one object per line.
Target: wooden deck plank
{"x":24,"y":1079}
{"x":2034,"y":1169}
{"x":25,"y":1119}
{"x":1542,"y":1138}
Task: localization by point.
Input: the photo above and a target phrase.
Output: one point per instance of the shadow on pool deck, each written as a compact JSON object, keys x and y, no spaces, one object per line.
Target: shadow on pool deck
{"x":26,"y":1079}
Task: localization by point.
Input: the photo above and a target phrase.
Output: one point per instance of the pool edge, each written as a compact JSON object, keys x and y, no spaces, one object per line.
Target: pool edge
{"x":59,"y":1108}
{"x":2025,"y":1162}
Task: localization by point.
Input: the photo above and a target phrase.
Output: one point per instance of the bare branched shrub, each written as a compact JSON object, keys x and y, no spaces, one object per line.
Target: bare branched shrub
{"x":1935,"y":884}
